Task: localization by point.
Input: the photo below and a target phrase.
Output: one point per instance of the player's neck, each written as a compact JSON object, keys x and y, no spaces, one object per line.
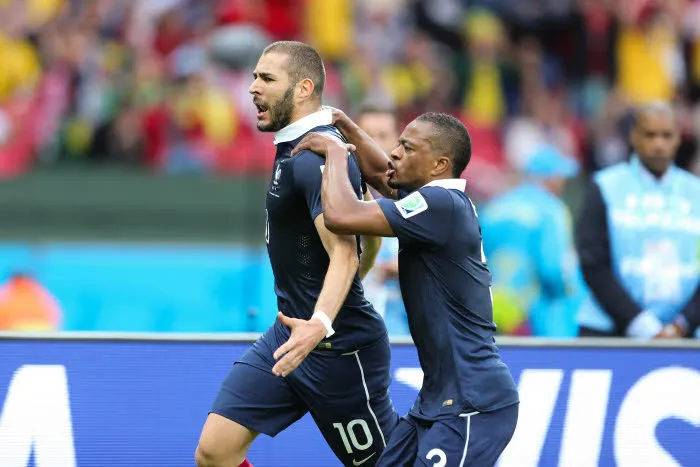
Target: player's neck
{"x":304,"y":111}
{"x":445,"y":181}
{"x":436,"y":179}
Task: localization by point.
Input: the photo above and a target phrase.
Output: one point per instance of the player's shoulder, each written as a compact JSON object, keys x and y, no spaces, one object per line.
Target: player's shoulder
{"x":437,"y":192}
{"x":426,"y":198}
{"x":306,"y":163}
{"x":330,"y":130}
{"x":308,"y":158}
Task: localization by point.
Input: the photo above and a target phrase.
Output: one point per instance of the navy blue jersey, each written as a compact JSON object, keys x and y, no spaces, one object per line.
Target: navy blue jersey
{"x":445,"y":285}
{"x":299,"y":260}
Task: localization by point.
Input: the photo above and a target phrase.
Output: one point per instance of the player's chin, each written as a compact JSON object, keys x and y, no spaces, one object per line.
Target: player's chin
{"x":266,"y":126}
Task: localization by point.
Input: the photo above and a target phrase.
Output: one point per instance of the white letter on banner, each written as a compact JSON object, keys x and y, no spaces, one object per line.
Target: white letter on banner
{"x":412,"y":377}
{"x":538,"y":395}
{"x":661,"y":394}
{"x":585,"y":417}
{"x":36,"y":415}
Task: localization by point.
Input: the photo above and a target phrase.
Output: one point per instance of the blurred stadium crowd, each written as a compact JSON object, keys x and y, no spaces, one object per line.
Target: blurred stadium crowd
{"x":134,"y":82}
{"x":163,"y":84}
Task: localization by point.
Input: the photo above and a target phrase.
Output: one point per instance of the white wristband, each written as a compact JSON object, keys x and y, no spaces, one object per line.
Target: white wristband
{"x":322,"y":317}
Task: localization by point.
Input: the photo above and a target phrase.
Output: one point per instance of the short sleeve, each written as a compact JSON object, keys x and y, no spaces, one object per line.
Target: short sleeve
{"x":424,"y":216}
{"x":308,"y":173}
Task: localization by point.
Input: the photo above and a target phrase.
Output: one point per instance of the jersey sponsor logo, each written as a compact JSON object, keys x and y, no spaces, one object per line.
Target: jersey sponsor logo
{"x":412,"y":205}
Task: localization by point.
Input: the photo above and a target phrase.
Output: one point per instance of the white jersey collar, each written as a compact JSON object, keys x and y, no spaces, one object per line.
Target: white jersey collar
{"x":458,"y":184}
{"x":303,"y":125}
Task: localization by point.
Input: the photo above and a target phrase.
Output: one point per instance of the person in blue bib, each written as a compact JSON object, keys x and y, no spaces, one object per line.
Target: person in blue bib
{"x":638,"y":239}
{"x":528,"y":239}
{"x":467,"y":410}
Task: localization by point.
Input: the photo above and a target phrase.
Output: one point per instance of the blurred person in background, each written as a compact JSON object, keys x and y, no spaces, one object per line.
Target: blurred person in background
{"x":328,"y":352}
{"x":25,"y":305}
{"x":382,"y":282}
{"x":528,"y":242}
{"x":488,"y":91}
{"x":648,"y":60}
{"x":638,"y":238}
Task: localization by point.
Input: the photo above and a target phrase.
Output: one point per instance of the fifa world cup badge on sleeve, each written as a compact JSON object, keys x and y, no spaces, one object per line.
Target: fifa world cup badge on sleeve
{"x":411,"y":205}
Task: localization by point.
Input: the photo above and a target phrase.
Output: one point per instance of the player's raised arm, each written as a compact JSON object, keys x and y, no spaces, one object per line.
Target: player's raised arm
{"x":373,"y":160}
{"x":343,"y":212}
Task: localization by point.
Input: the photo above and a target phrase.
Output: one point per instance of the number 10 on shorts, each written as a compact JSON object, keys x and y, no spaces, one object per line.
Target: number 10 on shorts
{"x":349,"y":435}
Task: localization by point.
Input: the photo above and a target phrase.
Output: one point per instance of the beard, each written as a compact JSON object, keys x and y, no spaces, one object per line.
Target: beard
{"x":280,"y":112}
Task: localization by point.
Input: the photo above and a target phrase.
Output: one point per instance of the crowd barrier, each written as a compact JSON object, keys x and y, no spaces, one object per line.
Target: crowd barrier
{"x":95,"y":400}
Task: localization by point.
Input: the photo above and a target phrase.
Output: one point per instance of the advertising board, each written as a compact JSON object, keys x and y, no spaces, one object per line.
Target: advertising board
{"x":119,"y":403}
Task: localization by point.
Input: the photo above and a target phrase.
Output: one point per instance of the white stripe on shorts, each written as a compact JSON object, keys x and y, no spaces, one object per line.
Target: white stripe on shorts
{"x":369,"y":407}
{"x":468,"y":416}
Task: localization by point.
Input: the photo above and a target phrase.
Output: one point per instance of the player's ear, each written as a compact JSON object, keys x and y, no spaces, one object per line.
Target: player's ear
{"x":441,"y":166}
{"x":305,"y":88}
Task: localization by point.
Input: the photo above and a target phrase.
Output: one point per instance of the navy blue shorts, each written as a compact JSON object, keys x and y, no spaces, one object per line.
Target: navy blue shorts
{"x":472,"y":439}
{"x":347,"y":395}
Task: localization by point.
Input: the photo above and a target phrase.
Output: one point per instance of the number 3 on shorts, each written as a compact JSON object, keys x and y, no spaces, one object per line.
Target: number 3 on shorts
{"x":440,"y":455}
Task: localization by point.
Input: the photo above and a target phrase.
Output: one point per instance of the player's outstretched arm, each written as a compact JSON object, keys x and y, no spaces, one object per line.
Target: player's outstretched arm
{"x":342,"y":211}
{"x":373,"y":162}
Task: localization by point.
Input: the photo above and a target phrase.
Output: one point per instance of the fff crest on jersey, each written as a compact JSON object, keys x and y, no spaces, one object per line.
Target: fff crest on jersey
{"x":278,"y":174}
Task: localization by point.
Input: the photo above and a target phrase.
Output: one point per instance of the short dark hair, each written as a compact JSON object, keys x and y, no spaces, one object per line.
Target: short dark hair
{"x":304,"y":62}
{"x":451,"y":137}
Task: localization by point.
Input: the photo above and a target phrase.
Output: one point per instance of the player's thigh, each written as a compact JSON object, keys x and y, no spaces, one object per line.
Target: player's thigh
{"x":402,"y":446}
{"x":361,"y":379}
{"x":443,"y":444}
{"x":255,"y":398}
{"x":223,"y":440}
{"x":489,"y":434}
{"x":473,"y":440}
{"x":351,"y":406}
{"x":352,"y":432}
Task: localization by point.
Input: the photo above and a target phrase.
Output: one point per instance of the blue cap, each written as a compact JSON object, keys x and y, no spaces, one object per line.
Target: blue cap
{"x":548,"y":162}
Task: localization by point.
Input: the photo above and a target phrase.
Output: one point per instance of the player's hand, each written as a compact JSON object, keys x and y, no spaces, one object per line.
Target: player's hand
{"x":320,"y":143}
{"x":305,"y":337}
{"x":670,"y":331}
{"x":338,"y":116}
